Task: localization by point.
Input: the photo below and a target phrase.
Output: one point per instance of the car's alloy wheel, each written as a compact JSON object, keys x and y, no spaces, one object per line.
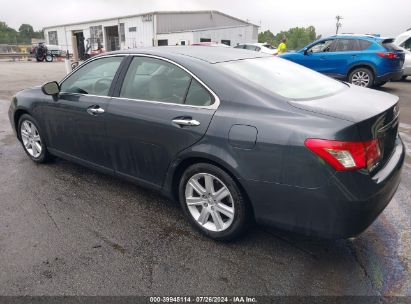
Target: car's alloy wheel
{"x":210,"y":202}
{"x":31,"y":138}
{"x":213,"y":202}
{"x":361,"y":78}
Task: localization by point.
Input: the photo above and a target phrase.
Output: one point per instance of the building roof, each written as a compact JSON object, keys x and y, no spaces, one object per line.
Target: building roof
{"x":203,"y":53}
{"x":154,"y":13}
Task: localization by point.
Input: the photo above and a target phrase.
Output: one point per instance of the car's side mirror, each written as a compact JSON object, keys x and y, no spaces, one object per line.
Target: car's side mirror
{"x":51,"y":88}
{"x":305,"y":51}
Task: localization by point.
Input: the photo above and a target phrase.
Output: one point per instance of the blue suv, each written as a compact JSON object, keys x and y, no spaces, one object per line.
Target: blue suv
{"x":362,"y":60}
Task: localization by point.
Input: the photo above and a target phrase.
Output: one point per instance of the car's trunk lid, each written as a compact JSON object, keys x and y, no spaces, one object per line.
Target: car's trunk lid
{"x":374,"y":113}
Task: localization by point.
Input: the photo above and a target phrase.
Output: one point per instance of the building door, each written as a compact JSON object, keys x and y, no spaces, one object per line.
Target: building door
{"x":80,"y":44}
{"x":112,"y":38}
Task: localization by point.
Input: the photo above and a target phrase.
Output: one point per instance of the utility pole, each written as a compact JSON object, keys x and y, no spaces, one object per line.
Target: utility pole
{"x":338,"y":24}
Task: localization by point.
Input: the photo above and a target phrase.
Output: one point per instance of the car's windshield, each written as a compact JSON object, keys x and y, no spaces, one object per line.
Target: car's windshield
{"x":284,"y":78}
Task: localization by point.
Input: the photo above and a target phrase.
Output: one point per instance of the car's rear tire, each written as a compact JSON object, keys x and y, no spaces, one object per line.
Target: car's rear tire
{"x":362,"y":77}
{"x":32,"y":139}
{"x":404,"y":77}
{"x":213,"y":202}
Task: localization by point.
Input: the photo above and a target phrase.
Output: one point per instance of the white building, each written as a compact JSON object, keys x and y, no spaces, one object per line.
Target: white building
{"x":154,"y":29}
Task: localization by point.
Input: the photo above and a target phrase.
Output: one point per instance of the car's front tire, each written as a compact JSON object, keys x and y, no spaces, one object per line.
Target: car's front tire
{"x":32,"y":139}
{"x":362,"y":77}
{"x":213,"y":202}
{"x":404,"y":77}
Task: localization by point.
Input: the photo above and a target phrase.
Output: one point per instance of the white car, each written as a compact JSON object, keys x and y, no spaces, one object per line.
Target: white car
{"x":404,"y":41}
{"x":258,"y":47}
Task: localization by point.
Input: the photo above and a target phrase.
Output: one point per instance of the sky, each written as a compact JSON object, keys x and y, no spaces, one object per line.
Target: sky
{"x":388,"y":18}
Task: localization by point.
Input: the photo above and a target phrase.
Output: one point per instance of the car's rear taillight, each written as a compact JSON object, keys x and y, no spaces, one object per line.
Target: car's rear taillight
{"x":389,"y":55}
{"x":344,"y":155}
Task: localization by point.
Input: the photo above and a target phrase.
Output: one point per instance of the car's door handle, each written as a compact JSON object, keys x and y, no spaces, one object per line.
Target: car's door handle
{"x":94,"y":110}
{"x":186,"y":122}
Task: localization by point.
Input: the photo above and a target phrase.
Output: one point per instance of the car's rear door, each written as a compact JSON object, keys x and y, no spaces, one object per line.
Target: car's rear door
{"x":160,"y":110}
{"x":76,"y":120}
{"x":344,"y":53}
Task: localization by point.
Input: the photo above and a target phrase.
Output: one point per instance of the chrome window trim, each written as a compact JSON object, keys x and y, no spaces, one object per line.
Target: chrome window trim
{"x":87,"y":62}
{"x":213,"y":106}
{"x":80,"y":94}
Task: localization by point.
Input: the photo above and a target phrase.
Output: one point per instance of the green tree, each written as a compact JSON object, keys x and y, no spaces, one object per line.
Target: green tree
{"x":266,"y":37}
{"x":9,"y":35}
{"x":297,"y":37}
{"x":26,"y":30}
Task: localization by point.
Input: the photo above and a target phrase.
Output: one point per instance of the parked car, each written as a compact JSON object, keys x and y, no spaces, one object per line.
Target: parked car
{"x":404,"y":41}
{"x":232,"y":134}
{"x":258,"y":47}
{"x":363,"y":60}
{"x":210,"y":44}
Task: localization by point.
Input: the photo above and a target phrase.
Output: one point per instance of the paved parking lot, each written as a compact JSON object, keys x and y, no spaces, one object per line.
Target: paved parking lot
{"x":67,"y":230}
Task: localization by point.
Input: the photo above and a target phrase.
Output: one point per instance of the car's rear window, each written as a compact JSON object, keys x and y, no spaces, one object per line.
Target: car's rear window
{"x":283,"y":77}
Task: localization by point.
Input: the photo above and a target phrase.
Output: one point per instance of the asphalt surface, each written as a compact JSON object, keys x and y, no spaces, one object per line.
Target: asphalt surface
{"x":67,"y":230}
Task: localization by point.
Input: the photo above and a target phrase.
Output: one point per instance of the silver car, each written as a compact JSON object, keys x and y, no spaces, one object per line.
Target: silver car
{"x":404,"y":41}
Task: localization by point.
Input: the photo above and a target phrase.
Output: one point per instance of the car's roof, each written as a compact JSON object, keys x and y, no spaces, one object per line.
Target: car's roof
{"x":360,"y":36}
{"x":204,"y":53}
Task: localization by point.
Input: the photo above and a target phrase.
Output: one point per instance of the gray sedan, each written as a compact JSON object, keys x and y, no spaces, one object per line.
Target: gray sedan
{"x":234,"y":136}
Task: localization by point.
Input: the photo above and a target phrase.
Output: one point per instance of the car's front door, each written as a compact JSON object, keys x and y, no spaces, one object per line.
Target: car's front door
{"x":76,"y":119}
{"x":160,"y":110}
{"x":318,"y":56}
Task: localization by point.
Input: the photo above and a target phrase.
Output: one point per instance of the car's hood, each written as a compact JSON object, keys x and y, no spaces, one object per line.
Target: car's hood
{"x":354,"y":104}
{"x":290,"y":54}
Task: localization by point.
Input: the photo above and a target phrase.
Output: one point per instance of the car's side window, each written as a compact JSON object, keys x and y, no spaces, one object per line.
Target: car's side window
{"x":321,"y":47}
{"x":154,"y":79}
{"x":345,"y":45}
{"x":363,"y":44}
{"x":94,"y":78}
{"x":251,"y":47}
{"x":197,"y":95}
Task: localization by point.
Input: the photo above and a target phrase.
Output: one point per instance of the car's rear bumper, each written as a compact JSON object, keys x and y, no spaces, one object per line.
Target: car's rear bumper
{"x":343,"y":208}
{"x":390,"y":76}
